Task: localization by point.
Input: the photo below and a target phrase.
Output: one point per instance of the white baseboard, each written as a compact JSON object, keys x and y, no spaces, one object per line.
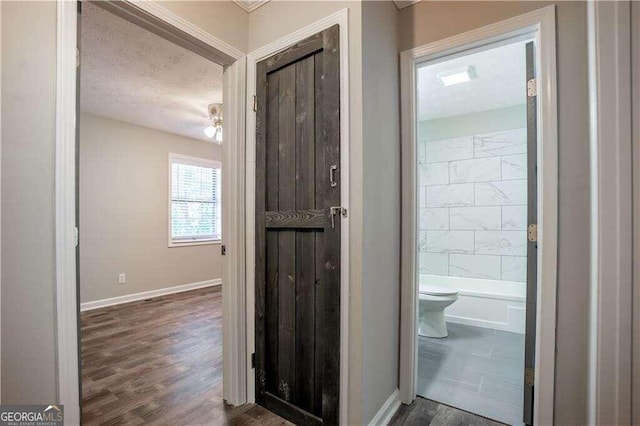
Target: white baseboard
{"x":388,"y":409}
{"x":87,"y":306}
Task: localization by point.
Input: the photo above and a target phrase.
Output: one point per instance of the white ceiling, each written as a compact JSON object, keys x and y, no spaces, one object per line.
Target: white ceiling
{"x":500,"y":82}
{"x":132,"y":75}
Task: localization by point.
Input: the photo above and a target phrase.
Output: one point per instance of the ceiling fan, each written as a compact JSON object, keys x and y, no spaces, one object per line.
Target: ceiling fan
{"x":214,"y":130}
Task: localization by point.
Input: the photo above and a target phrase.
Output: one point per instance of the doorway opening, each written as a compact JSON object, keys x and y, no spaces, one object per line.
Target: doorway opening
{"x":476,"y":135}
{"x":149,"y":181}
{"x":171,"y":27}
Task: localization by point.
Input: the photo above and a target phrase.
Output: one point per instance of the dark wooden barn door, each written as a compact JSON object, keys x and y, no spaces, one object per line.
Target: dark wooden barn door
{"x":532,"y":236}
{"x":298,"y":231}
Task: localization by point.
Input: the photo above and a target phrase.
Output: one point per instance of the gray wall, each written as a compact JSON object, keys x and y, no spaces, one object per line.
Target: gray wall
{"x":573,"y":224}
{"x":124,"y":211}
{"x":381,"y":187}
{"x":28,"y":268}
{"x":430,"y":21}
{"x":635,"y":102}
{"x":220,"y":18}
{"x":28,"y":353}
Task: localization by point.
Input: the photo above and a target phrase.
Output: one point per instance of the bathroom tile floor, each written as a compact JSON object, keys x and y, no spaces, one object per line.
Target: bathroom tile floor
{"x":476,"y":369}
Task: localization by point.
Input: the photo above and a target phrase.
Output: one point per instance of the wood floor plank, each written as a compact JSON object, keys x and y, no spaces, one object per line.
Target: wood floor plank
{"x":159,"y":361}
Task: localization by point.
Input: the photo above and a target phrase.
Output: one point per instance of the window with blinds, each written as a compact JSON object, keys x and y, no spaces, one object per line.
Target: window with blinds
{"x":195,"y":200}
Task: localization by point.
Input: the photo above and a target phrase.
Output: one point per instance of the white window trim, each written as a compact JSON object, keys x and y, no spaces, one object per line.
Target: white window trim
{"x":193,"y":161}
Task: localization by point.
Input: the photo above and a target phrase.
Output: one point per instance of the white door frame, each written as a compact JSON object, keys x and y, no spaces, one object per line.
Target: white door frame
{"x":340,"y":18}
{"x":234,"y":372}
{"x":611,"y":289}
{"x":541,"y":25}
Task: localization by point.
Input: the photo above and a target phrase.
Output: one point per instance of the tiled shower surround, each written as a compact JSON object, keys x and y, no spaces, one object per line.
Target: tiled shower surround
{"x":473,"y":214}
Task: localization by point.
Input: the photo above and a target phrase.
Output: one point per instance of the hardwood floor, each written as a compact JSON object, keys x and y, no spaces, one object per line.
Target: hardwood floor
{"x":159,"y":361}
{"x":426,"y":412}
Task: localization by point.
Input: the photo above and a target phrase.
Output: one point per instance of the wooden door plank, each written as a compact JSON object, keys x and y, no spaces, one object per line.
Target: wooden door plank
{"x":261,"y":243}
{"x":301,"y":218}
{"x":322,"y":179}
{"x":271,"y":293}
{"x":329,"y":339}
{"x":293,"y":54}
{"x":286,"y":239}
{"x":305,"y":241}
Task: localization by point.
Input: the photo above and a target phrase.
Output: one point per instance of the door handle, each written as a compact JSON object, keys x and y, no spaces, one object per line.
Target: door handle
{"x":336,"y":210}
{"x":332,"y":176}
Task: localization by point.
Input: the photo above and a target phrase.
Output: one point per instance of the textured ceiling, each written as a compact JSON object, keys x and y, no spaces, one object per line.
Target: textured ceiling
{"x":500,"y":82}
{"x":132,"y":75}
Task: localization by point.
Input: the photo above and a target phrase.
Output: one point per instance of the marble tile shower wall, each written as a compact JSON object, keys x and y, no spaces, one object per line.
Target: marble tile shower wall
{"x":473,"y":214}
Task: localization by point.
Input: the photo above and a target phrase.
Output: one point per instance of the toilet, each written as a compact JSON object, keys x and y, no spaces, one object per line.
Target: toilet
{"x":432,"y":302}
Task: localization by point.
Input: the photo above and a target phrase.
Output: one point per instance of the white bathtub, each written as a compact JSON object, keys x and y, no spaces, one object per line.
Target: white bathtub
{"x":484,"y":303}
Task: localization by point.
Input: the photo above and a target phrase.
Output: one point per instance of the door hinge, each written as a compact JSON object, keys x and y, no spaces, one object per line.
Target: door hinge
{"x":253,"y":360}
{"x":223,"y":250}
{"x":77,"y":57}
{"x":532,"y":232}
{"x":255,"y":103}
{"x":532,"y":87}
{"x":75,"y":236}
{"x":529,"y":376}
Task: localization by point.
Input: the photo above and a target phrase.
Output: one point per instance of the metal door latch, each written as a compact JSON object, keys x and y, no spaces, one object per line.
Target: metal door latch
{"x":336,"y":210}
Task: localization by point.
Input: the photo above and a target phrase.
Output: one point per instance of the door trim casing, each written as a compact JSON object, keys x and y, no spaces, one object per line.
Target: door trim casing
{"x":611,"y":344}
{"x":65,"y":213}
{"x":540,"y":24}
{"x":67,"y":301}
{"x":340,"y":18}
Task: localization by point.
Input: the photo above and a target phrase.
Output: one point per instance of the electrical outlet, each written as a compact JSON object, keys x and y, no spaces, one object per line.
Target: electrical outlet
{"x":122,"y":278}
